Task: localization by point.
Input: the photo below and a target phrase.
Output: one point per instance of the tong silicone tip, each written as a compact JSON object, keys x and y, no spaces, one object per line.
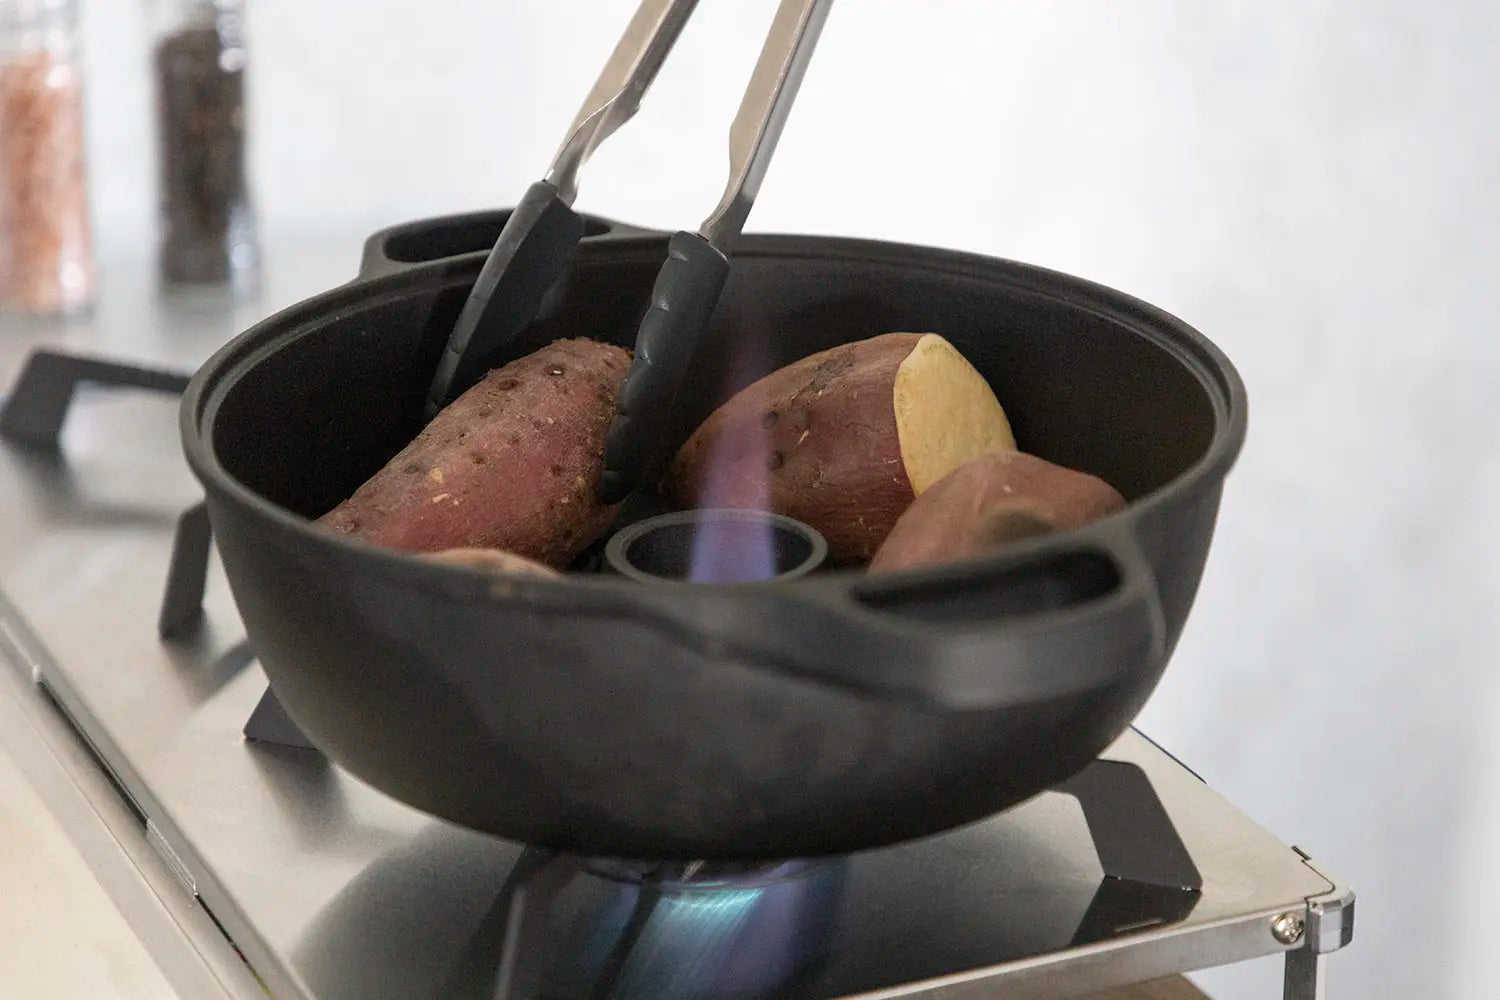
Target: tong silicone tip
{"x":536,"y":244}
{"x":689,"y":283}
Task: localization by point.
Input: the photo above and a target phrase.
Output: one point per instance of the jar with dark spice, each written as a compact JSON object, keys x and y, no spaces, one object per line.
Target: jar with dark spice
{"x":46,"y":237}
{"x":198,"y":61}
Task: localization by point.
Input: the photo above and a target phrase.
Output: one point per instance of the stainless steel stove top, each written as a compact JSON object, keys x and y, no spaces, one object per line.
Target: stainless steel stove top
{"x":330,"y":890}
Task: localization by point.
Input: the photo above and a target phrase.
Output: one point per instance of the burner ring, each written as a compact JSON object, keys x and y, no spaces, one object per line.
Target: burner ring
{"x":716,"y":545}
{"x":689,"y":875}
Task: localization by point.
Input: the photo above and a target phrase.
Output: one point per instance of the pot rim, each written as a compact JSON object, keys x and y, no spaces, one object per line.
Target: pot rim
{"x":1214,"y":371}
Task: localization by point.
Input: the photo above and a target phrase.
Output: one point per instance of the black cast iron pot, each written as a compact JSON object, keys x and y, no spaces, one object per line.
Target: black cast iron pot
{"x":605,"y":716}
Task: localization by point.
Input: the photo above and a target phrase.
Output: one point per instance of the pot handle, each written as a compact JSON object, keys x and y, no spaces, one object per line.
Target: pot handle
{"x":411,"y":244}
{"x":1031,"y":624}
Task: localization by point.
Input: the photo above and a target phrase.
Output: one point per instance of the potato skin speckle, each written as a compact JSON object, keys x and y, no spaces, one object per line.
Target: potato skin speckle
{"x":758,"y":448}
{"x":516,"y":460}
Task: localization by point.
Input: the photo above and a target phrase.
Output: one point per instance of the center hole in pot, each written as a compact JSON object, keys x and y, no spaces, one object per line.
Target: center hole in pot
{"x":716,"y":546}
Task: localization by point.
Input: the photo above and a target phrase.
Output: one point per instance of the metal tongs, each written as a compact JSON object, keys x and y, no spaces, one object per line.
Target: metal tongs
{"x":537,"y":242}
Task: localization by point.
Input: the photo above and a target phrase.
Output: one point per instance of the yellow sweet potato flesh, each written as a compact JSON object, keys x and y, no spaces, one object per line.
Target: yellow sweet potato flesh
{"x":945,"y":413}
{"x":844,"y":439}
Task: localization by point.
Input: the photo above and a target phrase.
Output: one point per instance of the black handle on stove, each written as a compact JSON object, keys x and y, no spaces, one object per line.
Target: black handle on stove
{"x":1030,"y":624}
{"x":33,"y":416}
{"x":460,"y":237}
{"x":38,"y":402}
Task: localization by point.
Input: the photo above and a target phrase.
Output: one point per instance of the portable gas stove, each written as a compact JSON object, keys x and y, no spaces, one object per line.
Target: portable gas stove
{"x":129,"y":666}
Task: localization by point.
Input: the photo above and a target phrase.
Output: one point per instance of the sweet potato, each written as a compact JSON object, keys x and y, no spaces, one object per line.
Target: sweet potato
{"x":844,"y":439}
{"x":495,"y":561}
{"x":989,"y":501}
{"x":512,"y":464}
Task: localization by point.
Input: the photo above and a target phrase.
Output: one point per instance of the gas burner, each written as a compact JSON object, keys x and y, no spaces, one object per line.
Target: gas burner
{"x":679,"y":876}
{"x":716,"y":546}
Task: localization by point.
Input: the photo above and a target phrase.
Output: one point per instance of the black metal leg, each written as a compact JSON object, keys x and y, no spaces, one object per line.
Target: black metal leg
{"x":33,"y":416}
{"x":187,"y":575}
{"x":1326,"y":927}
{"x":38,"y":404}
{"x":269,"y":723}
{"x":1304,"y":979}
{"x":506,"y":958}
{"x":182,"y":613}
{"x":614,"y":963}
{"x":519,"y":976}
{"x":1149,"y":876}
{"x":1120,"y":907}
{"x":1132,"y":832}
{"x":515,"y":930}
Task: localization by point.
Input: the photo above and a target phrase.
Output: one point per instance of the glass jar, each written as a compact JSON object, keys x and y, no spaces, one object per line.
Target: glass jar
{"x":46,"y":236}
{"x":198,"y":61}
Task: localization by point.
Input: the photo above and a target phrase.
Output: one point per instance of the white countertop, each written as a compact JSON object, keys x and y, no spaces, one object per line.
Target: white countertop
{"x":87,"y":908}
{"x":60,"y":934}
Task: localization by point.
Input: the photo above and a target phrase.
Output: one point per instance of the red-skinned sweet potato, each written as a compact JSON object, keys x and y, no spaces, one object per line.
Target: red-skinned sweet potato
{"x":496,"y":561}
{"x":844,"y":439}
{"x":512,"y":464}
{"x":987,"y":502}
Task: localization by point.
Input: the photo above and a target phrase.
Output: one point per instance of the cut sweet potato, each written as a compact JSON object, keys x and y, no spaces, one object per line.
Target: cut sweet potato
{"x":512,"y":464}
{"x":844,"y":439}
{"x":989,"y":501}
{"x":492,"y":561}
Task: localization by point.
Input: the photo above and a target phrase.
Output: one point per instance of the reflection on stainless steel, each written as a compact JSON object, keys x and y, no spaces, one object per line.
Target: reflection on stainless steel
{"x":721,"y":940}
{"x":702,"y":874}
{"x":331,"y":890}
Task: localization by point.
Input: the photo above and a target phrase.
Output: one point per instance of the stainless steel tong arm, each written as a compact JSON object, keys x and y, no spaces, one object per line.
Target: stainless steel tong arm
{"x":632,"y":67}
{"x":617,"y":93}
{"x":763,"y":111}
{"x":691,"y":278}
